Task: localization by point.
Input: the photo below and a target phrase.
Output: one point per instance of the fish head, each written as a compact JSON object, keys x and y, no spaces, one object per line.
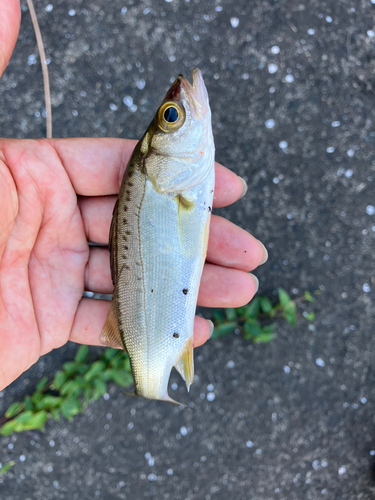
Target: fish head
{"x":180,"y":147}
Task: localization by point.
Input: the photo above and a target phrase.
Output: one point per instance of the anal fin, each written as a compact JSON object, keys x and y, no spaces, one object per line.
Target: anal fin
{"x":110,"y":335}
{"x":185,"y":365}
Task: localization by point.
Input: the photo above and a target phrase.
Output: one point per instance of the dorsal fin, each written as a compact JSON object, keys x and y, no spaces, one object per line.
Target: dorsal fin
{"x":185,"y":365}
{"x":110,"y":335}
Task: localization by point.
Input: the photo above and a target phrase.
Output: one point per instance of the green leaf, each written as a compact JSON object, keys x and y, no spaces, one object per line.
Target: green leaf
{"x":309,"y":297}
{"x":290,"y":313}
{"x":49,"y":402}
{"x":263,"y":338}
{"x":224,"y":329}
{"x":218,"y":315}
{"x":94,"y":370}
{"x":13,"y":410}
{"x":59,"y":380}
{"x":252,"y":329}
{"x":41,"y":384}
{"x":269,"y":328}
{"x":70,"y":407}
{"x":71,"y":367}
{"x":230,"y":314}
{"x":56,"y":414}
{"x":22,"y":418}
{"x":28,"y":403}
{"x":4,"y":469}
{"x":82,"y":354}
{"x":36,"y":397}
{"x":8,"y":428}
{"x":109,"y":353}
{"x":265,"y":304}
{"x":252,"y":309}
{"x":71,"y":387}
{"x":284,"y":297}
{"x":37,"y":421}
{"x":100,"y":388}
{"x":310,"y":316}
{"x":121,"y":377}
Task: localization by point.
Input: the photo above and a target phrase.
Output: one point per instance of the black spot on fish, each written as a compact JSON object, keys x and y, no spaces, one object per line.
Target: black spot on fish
{"x":126,"y":248}
{"x":245,"y":251}
{"x":130,"y":184}
{"x":209,"y":209}
{"x":152,"y":291}
{"x":125,"y":208}
{"x":127,"y":191}
{"x":124,"y":221}
{"x":124,"y":237}
{"x":211,"y":191}
{"x":176,"y":335}
{"x":128,"y":232}
{"x":185,"y":291}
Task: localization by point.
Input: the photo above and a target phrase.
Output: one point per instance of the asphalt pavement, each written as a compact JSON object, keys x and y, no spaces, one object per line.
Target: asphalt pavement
{"x":292,"y":91}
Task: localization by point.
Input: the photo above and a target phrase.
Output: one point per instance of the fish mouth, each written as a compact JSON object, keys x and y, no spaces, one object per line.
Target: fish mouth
{"x":196,"y":92}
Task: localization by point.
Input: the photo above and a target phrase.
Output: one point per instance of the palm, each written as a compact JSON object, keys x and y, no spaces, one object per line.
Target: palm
{"x":45,"y":260}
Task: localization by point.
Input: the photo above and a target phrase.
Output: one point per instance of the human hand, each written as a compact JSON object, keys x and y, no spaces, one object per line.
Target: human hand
{"x":45,"y":260}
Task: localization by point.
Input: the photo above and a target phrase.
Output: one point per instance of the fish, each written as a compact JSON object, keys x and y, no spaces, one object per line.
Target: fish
{"x":158,"y":240}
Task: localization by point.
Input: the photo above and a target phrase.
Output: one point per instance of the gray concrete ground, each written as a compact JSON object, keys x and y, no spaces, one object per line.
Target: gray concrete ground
{"x":292,"y":92}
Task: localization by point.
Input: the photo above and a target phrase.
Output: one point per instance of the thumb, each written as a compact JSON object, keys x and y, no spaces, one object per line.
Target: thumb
{"x":10,"y":18}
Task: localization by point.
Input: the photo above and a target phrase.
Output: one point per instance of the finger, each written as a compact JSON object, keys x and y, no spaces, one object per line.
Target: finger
{"x":231,"y":246}
{"x":228,"y":245}
{"x":219,"y":286}
{"x":223,"y":287}
{"x":91,"y":315}
{"x":10,"y":19}
{"x":8,"y":205}
{"x":96,"y":167}
{"x":97,"y":215}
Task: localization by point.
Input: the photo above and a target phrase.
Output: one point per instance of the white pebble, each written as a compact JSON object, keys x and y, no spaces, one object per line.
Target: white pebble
{"x":366,"y":288}
{"x":370,"y":210}
{"x":124,"y":10}
{"x":130,"y":425}
{"x":275,"y":180}
{"x":234,"y":21}
{"x":230,"y":364}
{"x":113,"y":107}
{"x":52,"y":443}
{"x":31,"y":59}
{"x":170,"y":472}
{"x":49,"y":7}
{"x":183,"y":431}
{"x":128,"y":100}
{"x":151,"y":461}
{"x":363,"y":401}
{"x":152,"y":477}
{"x":286,"y":369}
{"x":311,"y":31}
{"x":329,"y":19}
{"x":335,"y":124}
{"x":72,"y":12}
{"x":10,"y":446}
{"x":106,"y":396}
{"x":169,"y":1}
{"x":174,"y":386}
{"x":283,"y":144}
{"x":350,"y":153}
{"x":348,"y":173}
{"x":249,"y":444}
{"x":245,"y":76}
{"x":372,"y":453}
{"x":141,"y":84}
{"x":219,"y":8}
{"x":289,"y":78}
{"x":133,"y":108}
{"x":272,"y":68}
{"x":270,"y":123}
{"x":272,"y":90}
{"x":22,"y":458}
{"x":342,"y":470}
{"x":210,"y":396}
{"x":275,"y":49}
{"x":210,"y":387}
{"x":324,"y":463}
{"x":320,"y":362}
{"x":371,"y":33}
{"x":330,"y":149}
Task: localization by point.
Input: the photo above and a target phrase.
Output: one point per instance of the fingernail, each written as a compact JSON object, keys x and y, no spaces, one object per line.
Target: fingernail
{"x":244,"y":187}
{"x":211,"y":327}
{"x":265,"y":254}
{"x":256,"y":282}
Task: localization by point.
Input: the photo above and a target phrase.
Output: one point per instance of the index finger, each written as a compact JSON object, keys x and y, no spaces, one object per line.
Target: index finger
{"x":96,"y":167}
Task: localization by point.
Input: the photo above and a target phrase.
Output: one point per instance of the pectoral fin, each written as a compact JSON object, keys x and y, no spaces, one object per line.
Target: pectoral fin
{"x":110,"y":335}
{"x":185,"y":365}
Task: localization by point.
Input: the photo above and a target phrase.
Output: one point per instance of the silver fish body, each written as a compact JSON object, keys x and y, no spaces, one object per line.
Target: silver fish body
{"x":159,"y":238}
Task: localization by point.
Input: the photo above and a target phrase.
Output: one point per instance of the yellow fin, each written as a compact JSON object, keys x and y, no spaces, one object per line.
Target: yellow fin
{"x":110,"y":335}
{"x":185,"y":365}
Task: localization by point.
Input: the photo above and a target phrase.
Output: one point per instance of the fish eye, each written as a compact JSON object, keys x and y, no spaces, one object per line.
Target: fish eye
{"x":171,"y":114}
{"x":170,"y":117}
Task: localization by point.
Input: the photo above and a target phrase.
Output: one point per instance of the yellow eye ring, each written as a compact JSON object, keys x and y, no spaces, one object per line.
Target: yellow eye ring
{"x":170,"y":117}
